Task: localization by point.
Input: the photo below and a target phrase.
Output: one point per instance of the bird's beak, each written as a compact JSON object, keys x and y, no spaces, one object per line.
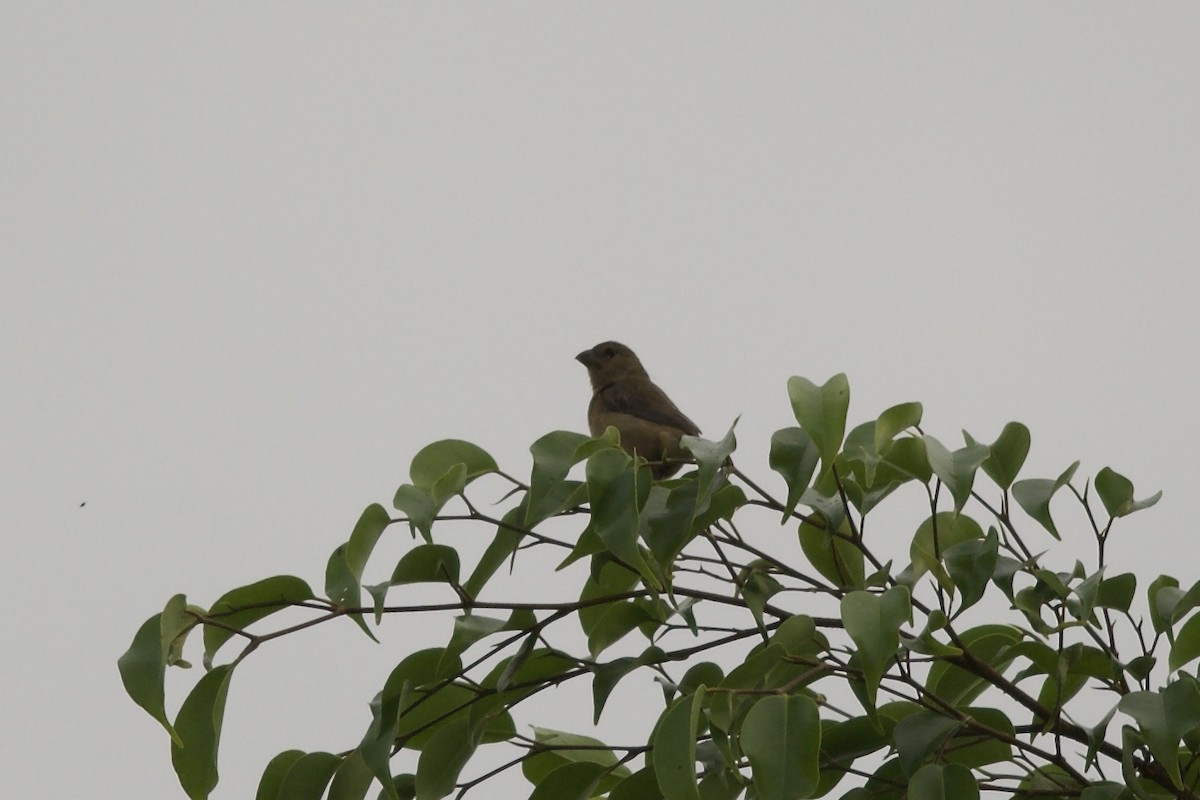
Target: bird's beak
{"x":587,"y":358}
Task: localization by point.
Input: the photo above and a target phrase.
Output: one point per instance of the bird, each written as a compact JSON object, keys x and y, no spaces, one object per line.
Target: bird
{"x":624,"y":397}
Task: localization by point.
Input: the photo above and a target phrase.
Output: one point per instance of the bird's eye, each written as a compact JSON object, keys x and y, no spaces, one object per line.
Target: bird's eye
{"x":609,"y":352}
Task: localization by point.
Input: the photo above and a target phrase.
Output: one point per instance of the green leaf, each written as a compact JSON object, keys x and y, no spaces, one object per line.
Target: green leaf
{"x":934,"y":537}
{"x":439,"y":472}
{"x":606,"y":676}
{"x":641,"y":785}
{"x":721,"y":506}
{"x":449,"y":485}
{"x":496,"y":725}
{"x":617,"y":491}
{"x":1187,"y":644}
{"x":553,"y":456}
{"x":557,"y":749}
{"x":906,"y":458}
{"x":989,"y":644}
{"x":925,"y":643}
{"x":559,"y":499}
{"x":1131,"y":744}
{"x":343,"y":575}
{"x":503,"y":545}
{"x":273,"y":776}
{"x":199,"y":727}
{"x":1140,"y":668}
{"x":308,"y":776}
{"x":1086,"y":593}
{"x":859,"y":457}
{"x":1163,"y":718}
{"x":536,"y":666}
{"x":611,"y":580}
{"x":344,"y":588}
{"x":1117,"y":592}
{"x":1048,"y":782}
{"x":844,"y":742}
{"x":827,"y":508}
{"x":1179,"y":604}
{"x":674,"y":751}
{"x":1030,"y":601}
{"x":470,"y":628}
{"x":1007,"y":454}
{"x":571,"y":781}
{"x":1097,"y":737}
{"x":971,"y":750}
{"x":617,"y":620}
{"x":798,"y":636}
{"x":178,"y":620}
{"x":821,"y":412}
{"x":937,"y":782}
{"x":427,"y":563}
{"x":1052,"y":582}
{"x":1034,"y":495}
{"x":781,"y":736}
{"x":764,"y":667}
{"x":352,"y":779}
{"x":956,"y":469}
{"x":901,"y":461}
{"x":418,"y":505}
{"x":666,"y":519}
{"x":1006,"y":569}
{"x":705,"y":673}
{"x":1161,"y":614}
{"x":517,"y":660}
{"x":757,"y":588}
{"x":143,"y":670}
{"x":375,"y":749}
{"x":711,"y":458}
{"x":837,"y":559}
{"x":450,"y":747}
{"x":550,"y":493}
{"x":589,"y":544}
{"x":404,"y":785}
{"x":555,"y":453}
{"x":895,"y":420}
{"x":435,"y":460}
{"x":425,"y":712}
{"x":873,"y":623}
{"x":794,"y":456}
{"x":370,"y":526}
{"x":1105,"y":790}
{"x":241,"y":607}
{"x":919,"y":735}
{"x":888,"y":782}
{"x":724,"y":784}
{"x":1116,"y":492}
{"x":1075,"y":664}
{"x":405,"y":705}
{"x":971,"y":565}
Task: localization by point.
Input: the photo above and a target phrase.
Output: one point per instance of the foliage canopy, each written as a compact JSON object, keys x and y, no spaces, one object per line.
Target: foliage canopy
{"x":958,"y":674}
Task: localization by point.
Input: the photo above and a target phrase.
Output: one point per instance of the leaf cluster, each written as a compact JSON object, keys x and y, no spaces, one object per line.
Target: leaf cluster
{"x":967,"y":670}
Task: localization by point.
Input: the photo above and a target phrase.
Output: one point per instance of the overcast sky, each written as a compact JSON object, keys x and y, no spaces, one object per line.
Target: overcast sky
{"x":253,"y":257}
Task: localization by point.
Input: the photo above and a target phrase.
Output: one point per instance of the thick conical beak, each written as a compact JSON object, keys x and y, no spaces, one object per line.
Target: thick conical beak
{"x":587,"y":358}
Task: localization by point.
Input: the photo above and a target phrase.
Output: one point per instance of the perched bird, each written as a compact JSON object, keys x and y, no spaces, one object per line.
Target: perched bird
{"x":624,"y":397}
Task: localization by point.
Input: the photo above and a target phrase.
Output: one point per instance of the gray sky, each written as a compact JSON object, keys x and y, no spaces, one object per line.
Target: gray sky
{"x":254,"y":257}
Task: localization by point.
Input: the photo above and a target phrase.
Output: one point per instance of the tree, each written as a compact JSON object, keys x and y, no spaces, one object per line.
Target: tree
{"x":960,"y":674}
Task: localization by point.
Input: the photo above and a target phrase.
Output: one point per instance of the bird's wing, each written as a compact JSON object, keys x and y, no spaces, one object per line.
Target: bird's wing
{"x":642,"y":399}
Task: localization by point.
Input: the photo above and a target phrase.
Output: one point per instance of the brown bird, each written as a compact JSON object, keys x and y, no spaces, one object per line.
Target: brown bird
{"x":624,"y":397}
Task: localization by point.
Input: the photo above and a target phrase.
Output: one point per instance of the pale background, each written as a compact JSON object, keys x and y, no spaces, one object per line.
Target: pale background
{"x":253,"y":258}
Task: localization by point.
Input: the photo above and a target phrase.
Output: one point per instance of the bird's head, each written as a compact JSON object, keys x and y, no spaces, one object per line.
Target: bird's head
{"x":609,"y":361}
